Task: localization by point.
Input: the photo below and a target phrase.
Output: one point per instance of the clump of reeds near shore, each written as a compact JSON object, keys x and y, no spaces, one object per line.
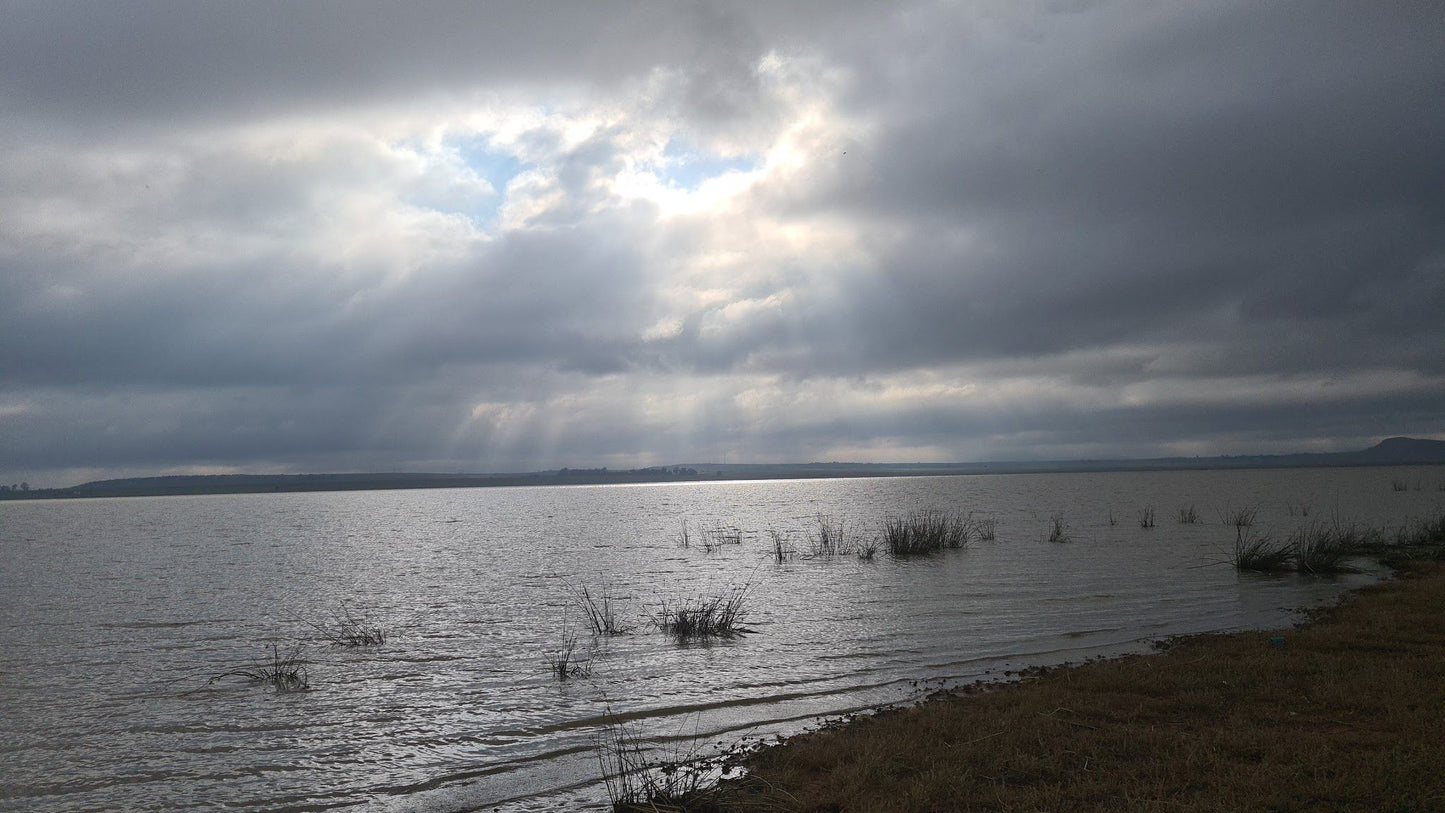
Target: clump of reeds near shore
{"x":684,"y":539}
{"x":1188,"y":515}
{"x":600,"y":611}
{"x":284,"y":673}
{"x":1399,"y":485}
{"x":868,"y":548}
{"x":830,"y":538}
{"x":1260,"y":552}
{"x":1058,"y":529}
{"x":924,"y":532}
{"x":1320,"y":549}
{"x":350,"y":630}
{"x":566,"y":662}
{"x":987,"y":528}
{"x":1240,"y":517}
{"x":1146,"y":517}
{"x":782,"y":551}
{"x":719,"y":616}
{"x":683,"y":781}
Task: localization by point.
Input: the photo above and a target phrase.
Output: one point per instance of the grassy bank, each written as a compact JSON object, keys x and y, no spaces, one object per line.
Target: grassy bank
{"x":1344,"y":713}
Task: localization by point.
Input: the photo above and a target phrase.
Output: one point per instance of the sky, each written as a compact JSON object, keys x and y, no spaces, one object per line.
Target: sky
{"x":512,"y":236}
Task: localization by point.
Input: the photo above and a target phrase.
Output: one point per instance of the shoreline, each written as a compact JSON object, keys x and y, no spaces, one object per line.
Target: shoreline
{"x":1345,"y":711}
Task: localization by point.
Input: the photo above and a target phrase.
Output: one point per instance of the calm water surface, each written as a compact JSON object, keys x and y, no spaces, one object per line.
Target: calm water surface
{"x":114,"y":615}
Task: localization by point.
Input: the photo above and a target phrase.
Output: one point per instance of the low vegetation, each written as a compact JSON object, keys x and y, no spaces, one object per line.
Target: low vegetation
{"x":284,"y":673}
{"x":1240,"y":517}
{"x":567,"y":662}
{"x":924,"y":532}
{"x":1260,"y":552}
{"x":600,"y":611}
{"x":829,"y":538}
{"x":348,"y":629}
{"x":1146,"y":517}
{"x":1188,"y":515}
{"x":639,"y":781}
{"x":1321,"y":550}
{"x":1342,"y":714}
{"x":1058,"y":529}
{"x":718,"y":616}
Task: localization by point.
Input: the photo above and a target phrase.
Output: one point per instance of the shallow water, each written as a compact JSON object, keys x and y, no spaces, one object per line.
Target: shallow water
{"x":114,"y":614}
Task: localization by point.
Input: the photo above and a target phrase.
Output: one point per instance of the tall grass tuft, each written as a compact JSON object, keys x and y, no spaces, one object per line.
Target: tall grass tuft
{"x":684,"y":539}
{"x":1399,"y":485}
{"x":1146,"y":517}
{"x":638,"y":783}
{"x":284,"y":673}
{"x":1240,"y":517}
{"x":924,"y":532}
{"x":782,"y":551}
{"x":1058,"y":529}
{"x":348,"y":629}
{"x":566,"y":662}
{"x":702,"y":618}
{"x":868,"y":548}
{"x":1259,"y":552}
{"x":987,"y":528}
{"x":1188,"y":515}
{"x":600,"y":611}
{"x":830,"y":538}
{"x":1320,"y":550}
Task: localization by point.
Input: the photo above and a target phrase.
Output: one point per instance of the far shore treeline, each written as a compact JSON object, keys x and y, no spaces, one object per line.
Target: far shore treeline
{"x":1389,"y":452}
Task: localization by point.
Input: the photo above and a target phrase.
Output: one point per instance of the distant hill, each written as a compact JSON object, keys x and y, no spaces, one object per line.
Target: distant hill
{"x":1388,"y":452}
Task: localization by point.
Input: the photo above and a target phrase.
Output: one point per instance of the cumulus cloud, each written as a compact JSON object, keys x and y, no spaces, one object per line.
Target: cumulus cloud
{"x":511,"y":236}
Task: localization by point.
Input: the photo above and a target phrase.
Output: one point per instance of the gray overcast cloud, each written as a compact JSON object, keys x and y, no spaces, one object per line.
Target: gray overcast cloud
{"x":510,"y":236}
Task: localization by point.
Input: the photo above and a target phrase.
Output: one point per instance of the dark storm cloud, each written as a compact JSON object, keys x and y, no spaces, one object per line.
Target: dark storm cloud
{"x":269,"y":236}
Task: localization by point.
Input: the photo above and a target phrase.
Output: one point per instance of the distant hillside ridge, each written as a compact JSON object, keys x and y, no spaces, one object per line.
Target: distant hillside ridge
{"x":1394,"y":451}
{"x":1404,"y":451}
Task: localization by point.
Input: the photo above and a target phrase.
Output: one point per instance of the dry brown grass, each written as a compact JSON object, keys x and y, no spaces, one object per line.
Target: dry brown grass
{"x":1347,"y":714}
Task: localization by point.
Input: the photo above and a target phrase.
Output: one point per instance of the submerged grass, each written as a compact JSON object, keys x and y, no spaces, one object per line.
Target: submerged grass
{"x":924,"y":532}
{"x":350,"y":630}
{"x":1240,"y":517}
{"x":284,"y":673}
{"x":830,"y":539}
{"x":1320,"y":549}
{"x":1260,"y":552}
{"x":1058,"y":529}
{"x":566,"y":662}
{"x":719,"y":616}
{"x":600,"y":611}
{"x":1146,"y":517}
{"x":643,"y":780}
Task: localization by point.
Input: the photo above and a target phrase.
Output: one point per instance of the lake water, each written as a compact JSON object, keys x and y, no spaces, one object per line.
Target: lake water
{"x":115,"y":614}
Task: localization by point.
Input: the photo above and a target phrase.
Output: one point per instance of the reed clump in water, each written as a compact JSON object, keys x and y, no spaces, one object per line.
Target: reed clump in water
{"x":1321,"y":550}
{"x":566,"y":662}
{"x":829,"y":539}
{"x":718,"y":616}
{"x":284,"y":673}
{"x":600,"y":611}
{"x":683,"y":781}
{"x":1146,"y":517}
{"x":1188,"y":515}
{"x":924,"y":532}
{"x":1240,"y":517}
{"x":1058,"y":529}
{"x":1260,"y":552}
{"x":350,"y":630}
